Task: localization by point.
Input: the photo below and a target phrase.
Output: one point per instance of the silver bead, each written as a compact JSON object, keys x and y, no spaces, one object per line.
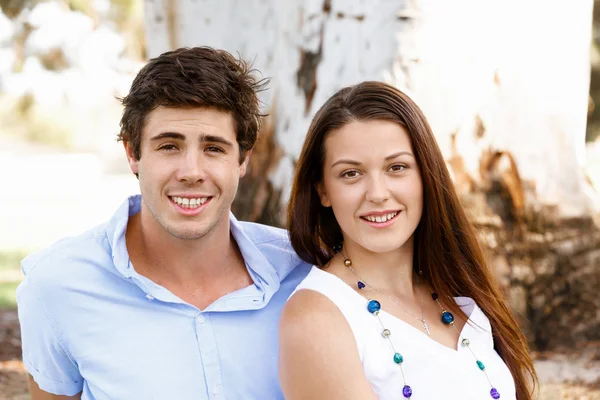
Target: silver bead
{"x":386,"y":333}
{"x":465,"y":342}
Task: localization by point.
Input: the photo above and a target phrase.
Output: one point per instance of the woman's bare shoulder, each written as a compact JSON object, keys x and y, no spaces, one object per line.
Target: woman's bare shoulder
{"x":317,"y":346}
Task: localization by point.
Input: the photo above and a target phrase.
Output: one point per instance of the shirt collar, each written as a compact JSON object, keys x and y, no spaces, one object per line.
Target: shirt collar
{"x":116,"y":230}
{"x":260,"y":268}
{"x":263,"y":273}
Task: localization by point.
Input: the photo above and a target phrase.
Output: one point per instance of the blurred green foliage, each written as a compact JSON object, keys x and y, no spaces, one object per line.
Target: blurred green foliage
{"x":22,"y":118}
{"x":10,"y":266}
{"x":8,"y":294}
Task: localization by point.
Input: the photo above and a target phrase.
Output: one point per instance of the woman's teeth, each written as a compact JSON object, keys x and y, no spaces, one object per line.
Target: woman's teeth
{"x":381,"y":218}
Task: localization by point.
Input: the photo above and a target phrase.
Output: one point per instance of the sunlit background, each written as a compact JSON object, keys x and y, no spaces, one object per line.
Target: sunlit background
{"x":511,"y":89}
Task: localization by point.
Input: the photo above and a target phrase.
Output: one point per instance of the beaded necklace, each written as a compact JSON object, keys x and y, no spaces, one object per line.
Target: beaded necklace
{"x":373,"y":306}
{"x":362,"y":283}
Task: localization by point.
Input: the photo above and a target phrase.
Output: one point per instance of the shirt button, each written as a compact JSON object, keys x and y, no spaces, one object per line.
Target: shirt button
{"x":216,"y":390}
{"x":200,"y":319}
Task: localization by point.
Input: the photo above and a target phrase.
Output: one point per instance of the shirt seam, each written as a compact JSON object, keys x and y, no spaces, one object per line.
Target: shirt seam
{"x":28,"y":363}
{"x":60,"y":247}
{"x":271,"y":241}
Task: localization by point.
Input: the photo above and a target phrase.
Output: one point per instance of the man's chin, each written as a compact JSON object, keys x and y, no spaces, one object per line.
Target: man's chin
{"x":187,"y":234}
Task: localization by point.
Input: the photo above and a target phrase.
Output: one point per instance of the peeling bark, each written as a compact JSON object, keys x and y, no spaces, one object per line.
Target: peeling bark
{"x":307,"y":76}
{"x":257,"y":199}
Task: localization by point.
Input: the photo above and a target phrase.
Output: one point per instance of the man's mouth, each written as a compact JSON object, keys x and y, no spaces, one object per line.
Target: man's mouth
{"x":189,"y":202}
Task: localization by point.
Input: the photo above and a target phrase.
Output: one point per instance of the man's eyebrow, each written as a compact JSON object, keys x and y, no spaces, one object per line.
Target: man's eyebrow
{"x":215,"y":139}
{"x":168,"y":135}
{"x":203,"y":138}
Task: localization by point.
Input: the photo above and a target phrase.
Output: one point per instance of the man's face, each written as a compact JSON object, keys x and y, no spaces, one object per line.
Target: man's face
{"x":188,"y":170}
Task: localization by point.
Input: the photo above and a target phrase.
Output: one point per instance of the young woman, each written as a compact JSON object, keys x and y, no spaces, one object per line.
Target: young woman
{"x":400,"y":303}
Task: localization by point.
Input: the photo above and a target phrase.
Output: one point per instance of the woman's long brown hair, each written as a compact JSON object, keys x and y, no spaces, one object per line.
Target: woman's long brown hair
{"x":446,"y":248}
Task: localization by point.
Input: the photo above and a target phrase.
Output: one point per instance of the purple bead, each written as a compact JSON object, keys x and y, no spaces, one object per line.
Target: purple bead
{"x":434,"y":296}
{"x":494,"y":393}
{"x":407,"y":391}
{"x":361,"y":285}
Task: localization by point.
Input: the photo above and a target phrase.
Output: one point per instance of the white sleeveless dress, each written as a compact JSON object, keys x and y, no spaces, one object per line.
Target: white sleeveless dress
{"x":432,"y":370}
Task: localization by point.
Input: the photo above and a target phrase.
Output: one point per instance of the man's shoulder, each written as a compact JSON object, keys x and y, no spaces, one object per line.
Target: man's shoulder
{"x":274,"y":244}
{"x":260,"y":233}
{"x":61,"y":257}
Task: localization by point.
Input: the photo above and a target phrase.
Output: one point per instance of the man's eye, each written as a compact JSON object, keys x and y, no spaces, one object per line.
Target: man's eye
{"x":167,"y":147}
{"x":215,"y":149}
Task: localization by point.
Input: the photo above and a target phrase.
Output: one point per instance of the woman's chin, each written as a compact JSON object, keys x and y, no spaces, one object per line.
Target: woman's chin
{"x":381,"y":247}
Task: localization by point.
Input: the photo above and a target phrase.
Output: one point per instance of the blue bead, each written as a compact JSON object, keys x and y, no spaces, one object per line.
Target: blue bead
{"x":361,"y":285}
{"x":480,"y":365}
{"x":447,"y":317}
{"x":398,"y":359}
{"x":407,"y":391}
{"x":434,"y":296}
{"x":494,"y":393}
{"x":373,"y":306}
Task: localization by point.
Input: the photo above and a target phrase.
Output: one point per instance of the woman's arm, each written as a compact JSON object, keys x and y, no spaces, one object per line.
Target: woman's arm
{"x":318,"y":358}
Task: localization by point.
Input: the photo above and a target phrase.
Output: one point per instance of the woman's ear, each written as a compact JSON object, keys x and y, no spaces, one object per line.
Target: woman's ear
{"x":325,"y":202}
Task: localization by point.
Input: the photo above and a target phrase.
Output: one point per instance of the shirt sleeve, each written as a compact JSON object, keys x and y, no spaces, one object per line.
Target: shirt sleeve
{"x":44,"y":356}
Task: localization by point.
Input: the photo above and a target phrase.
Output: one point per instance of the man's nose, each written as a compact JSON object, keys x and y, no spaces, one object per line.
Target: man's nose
{"x":192,"y":168}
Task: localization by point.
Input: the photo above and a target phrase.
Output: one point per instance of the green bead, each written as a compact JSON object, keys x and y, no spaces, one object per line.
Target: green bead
{"x":398,"y":359}
{"x":480,"y":365}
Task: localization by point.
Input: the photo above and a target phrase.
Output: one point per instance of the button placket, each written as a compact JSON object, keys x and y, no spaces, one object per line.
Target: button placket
{"x":209,"y":355}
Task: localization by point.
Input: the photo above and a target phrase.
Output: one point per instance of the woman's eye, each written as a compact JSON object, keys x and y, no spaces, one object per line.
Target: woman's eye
{"x":350,"y":174}
{"x":398,"y":168}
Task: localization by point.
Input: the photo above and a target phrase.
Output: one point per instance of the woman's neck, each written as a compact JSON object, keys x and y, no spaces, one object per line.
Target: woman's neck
{"x":391,"y":272}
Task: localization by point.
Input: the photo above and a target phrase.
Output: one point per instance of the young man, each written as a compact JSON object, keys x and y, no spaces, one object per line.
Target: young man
{"x":173,"y":298}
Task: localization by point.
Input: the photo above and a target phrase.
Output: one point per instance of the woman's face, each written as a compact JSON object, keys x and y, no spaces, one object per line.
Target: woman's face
{"x":373,"y":184}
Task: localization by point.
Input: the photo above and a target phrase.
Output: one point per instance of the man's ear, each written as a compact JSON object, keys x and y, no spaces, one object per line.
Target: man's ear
{"x":244,"y":164}
{"x":133,"y":162}
{"x":325,"y":202}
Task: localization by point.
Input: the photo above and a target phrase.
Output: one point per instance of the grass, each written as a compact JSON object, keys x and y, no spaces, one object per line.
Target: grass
{"x":10,"y":277}
{"x":8,"y":294}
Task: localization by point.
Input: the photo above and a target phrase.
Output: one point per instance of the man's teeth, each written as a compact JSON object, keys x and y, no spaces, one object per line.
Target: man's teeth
{"x":186,"y":202}
{"x":381,"y":218}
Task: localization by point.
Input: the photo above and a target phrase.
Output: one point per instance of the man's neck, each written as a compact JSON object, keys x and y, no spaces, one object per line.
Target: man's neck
{"x":198,"y":271}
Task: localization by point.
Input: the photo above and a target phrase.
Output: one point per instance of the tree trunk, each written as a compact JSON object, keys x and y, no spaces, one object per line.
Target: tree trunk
{"x":492,"y":79}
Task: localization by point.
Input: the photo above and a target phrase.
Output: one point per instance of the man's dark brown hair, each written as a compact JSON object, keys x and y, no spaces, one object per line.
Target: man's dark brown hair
{"x":195,"y":77}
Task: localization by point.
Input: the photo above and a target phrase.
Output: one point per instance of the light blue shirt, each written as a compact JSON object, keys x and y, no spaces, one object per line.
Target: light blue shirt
{"x":90,"y":323}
